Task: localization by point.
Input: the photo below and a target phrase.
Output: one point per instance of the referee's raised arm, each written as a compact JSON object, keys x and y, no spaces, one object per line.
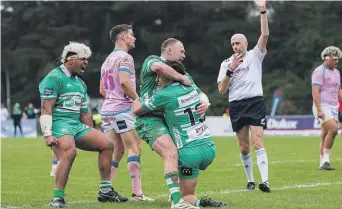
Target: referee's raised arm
{"x":242,"y":75}
{"x":262,"y":42}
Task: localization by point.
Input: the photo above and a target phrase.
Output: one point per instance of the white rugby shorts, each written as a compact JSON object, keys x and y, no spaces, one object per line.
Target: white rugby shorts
{"x":330,"y":112}
{"x":120,"y":123}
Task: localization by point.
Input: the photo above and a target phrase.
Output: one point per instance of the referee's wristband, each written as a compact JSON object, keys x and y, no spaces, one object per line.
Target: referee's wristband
{"x":229,"y":73}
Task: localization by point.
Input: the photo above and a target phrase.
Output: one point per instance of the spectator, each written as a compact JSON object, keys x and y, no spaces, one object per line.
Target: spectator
{"x":17,"y":114}
{"x":226,"y":113}
{"x":31,"y":111}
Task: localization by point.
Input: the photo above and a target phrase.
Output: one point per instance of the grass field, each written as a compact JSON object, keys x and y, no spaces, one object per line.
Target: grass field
{"x":294,"y":178}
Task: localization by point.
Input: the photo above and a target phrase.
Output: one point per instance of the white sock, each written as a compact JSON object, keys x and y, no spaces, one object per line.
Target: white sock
{"x":320,"y":160}
{"x":326,"y":155}
{"x":248,"y":165}
{"x":54,"y":165}
{"x":262,"y":163}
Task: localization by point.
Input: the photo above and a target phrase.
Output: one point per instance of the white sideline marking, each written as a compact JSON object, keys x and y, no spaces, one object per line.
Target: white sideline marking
{"x":295,"y":186}
{"x":290,"y":161}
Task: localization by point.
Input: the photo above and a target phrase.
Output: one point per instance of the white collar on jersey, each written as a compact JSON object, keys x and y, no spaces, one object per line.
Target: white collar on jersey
{"x":65,"y":70}
{"x":163,"y":58}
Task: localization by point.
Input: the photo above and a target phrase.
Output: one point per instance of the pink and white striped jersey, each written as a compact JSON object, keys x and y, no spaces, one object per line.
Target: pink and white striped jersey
{"x":116,"y":101}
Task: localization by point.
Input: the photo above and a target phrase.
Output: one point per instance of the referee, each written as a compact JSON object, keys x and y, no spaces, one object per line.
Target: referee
{"x":241,"y":74}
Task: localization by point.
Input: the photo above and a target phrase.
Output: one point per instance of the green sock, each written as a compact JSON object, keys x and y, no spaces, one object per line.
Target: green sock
{"x":197,"y":203}
{"x":105,"y":186}
{"x":58,"y":193}
{"x":172,"y":181}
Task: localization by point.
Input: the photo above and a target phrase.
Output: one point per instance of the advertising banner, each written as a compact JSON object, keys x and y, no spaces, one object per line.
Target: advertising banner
{"x":282,"y":125}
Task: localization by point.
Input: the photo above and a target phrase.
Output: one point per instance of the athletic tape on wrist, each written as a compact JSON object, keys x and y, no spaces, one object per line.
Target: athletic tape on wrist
{"x":46,"y":125}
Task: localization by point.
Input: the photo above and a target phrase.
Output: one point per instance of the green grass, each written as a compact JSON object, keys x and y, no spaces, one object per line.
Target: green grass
{"x":293,"y":173}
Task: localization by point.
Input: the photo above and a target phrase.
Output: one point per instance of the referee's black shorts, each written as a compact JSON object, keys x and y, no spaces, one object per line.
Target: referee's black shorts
{"x":251,"y":111}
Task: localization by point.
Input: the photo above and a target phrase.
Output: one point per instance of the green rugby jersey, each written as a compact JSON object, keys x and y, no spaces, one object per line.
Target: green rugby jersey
{"x":179,"y":104}
{"x":148,"y":77}
{"x":70,"y":93}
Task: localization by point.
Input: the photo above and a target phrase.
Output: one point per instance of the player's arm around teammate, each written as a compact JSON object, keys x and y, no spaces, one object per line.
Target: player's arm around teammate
{"x":192,"y":159}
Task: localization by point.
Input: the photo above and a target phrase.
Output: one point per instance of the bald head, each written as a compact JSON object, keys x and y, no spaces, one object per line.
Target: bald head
{"x":239,"y":36}
{"x":239,"y":43}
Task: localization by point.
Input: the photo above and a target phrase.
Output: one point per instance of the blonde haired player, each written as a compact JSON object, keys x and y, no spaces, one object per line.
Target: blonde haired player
{"x":326,"y":89}
{"x":66,"y":123}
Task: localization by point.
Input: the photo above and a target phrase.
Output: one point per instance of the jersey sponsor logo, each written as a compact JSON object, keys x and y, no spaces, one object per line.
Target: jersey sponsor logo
{"x":48,"y":91}
{"x":240,"y":71}
{"x":188,"y":99}
{"x":201,"y":129}
{"x":186,"y":171}
{"x":121,"y":124}
{"x":105,"y":118}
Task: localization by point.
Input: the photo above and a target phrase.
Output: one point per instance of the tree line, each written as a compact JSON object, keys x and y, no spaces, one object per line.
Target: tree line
{"x":34,"y":34}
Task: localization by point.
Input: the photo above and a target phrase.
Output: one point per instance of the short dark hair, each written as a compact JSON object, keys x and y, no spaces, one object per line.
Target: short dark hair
{"x":113,"y":33}
{"x":178,"y":66}
{"x":168,"y":42}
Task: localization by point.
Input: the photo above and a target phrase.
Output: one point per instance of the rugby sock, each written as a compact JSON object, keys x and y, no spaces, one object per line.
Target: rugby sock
{"x":320,"y":160}
{"x":54,"y":164}
{"x":58,"y":193}
{"x":172,"y":181}
{"x":105,"y":186}
{"x":113,"y":170}
{"x":133,"y":165}
{"x":326,"y":155}
{"x":262,"y":163}
{"x":197,"y":203}
{"x":248,"y":165}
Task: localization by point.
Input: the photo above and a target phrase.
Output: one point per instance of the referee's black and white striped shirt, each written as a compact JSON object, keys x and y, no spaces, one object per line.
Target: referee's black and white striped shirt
{"x":246,"y":80}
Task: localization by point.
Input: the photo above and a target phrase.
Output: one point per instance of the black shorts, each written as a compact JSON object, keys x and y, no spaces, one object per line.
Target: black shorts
{"x":251,"y":111}
{"x":340,"y":117}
